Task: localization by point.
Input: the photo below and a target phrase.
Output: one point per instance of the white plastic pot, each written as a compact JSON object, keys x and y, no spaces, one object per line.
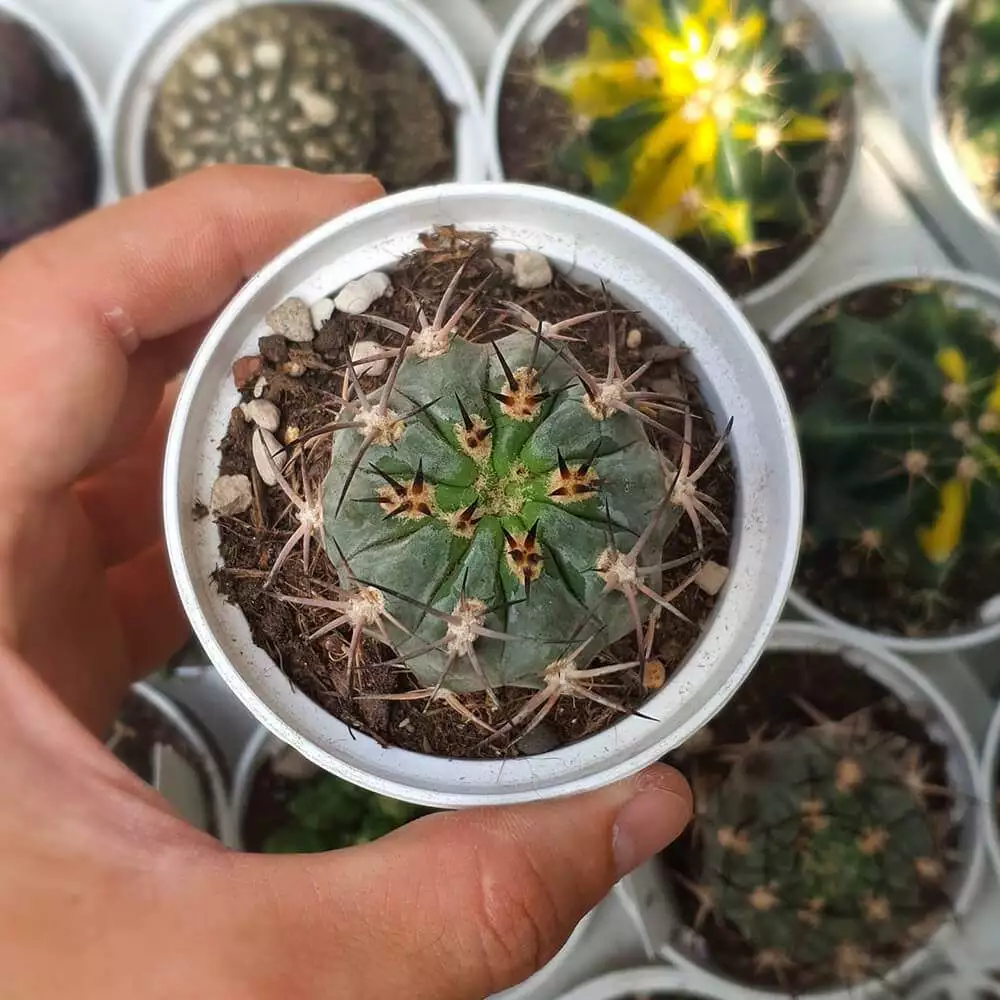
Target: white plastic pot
{"x":980,"y":290}
{"x":137,"y":84}
{"x":263,"y":746}
{"x":680,"y":943}
{"x":65,"y":61}
{"x":652,"y":980}
{"x":945,"y":160}
{"x":535,"y":20}
{"x":589,"y":243}
{"x":191,"y":732}
{"x":989,"y":779}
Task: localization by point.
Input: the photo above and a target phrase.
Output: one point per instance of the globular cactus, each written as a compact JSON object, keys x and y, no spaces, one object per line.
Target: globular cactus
{"x":271,"y":85}
{"x":22,"y":70}
{"x":40,"y":182}
{"x":971,"y":92}
{"x":327,"y":814}
{"x":902,"y":442}
{"x":821,"y":850}
{"x":698,"y":119}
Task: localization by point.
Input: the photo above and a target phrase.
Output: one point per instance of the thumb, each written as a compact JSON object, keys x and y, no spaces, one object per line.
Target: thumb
{"x":459,"y":906}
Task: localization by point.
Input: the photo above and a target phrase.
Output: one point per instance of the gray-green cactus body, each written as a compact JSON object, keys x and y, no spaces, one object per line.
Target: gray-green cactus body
{"x":902,"y":443}
{"x":519,"y":479}
{"x":817,"y":848}
{"x":268,"y":86}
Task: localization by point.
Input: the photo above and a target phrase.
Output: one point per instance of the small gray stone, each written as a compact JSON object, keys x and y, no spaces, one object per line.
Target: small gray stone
{"x":260,"y":387}
{"x":262,"y":413}
{"x":359,"y":296}
{"x":712,"y":578}
{"x":268,"y":456}
{"x":531,"y":270}
{"x":321,"y":312}
{"x":292,"y":321}
{"x":366,"y":349}
{"x":231,"y":495}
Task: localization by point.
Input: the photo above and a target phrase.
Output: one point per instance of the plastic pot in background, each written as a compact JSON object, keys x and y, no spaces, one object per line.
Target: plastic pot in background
{"x":589,"y":243}
{"x":989,"y":784}
{"x":136,"y":86}
{"x":535,"y":20}
{"x":653,"y":894}
{"x":981,"y":291}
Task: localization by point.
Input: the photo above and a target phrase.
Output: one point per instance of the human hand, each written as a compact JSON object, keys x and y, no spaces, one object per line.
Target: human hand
{"x":103,"y":892}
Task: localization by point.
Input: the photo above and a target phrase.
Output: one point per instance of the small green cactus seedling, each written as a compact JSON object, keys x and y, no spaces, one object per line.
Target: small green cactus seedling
{"x":699,"y":119}
{"x":822,"y":851}
{"x":40,"y":182}
{"x":271,"y":85}
{"x":326,"y":814}
{"x":970,"y":83}
{"x":902,"y":442}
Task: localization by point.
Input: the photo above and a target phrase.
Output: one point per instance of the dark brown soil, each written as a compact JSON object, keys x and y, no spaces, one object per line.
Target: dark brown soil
{"x":871,"y":591}
{"x":837,"y":690}
{"x":534,"y":121}
{"x":138,"y":728}
{"x":374,"y":47}
{"x":250,"y":543}
{"x":62,"y":110}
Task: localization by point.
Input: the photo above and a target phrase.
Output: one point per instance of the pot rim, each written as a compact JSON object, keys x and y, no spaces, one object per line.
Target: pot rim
{"x":137,"y":80}
{"x":511,"y":39}
{"x":68,"y":60}
{"x":887,"y":668}
{"x":988,"y":792}
{"x":763,"y":442}
{"x":190,"y":729}
{"x":941,"y":149}
{"x":623,"y":984}
{"x":964,"y":639}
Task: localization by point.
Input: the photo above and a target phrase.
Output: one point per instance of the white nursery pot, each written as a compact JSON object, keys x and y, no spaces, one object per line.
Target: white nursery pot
{"x":945,"y":727}
{"x":138,"y":82}
{"x":988,"y":791}
{"x":588,"y":243}
{"x":652,"y":980}
{"x":985,"y":294}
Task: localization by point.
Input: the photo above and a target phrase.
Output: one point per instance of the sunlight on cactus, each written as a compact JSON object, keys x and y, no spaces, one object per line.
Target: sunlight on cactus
{"x":902,"y":444}
{"x":697,"y":118}
{"x":821,"y":849}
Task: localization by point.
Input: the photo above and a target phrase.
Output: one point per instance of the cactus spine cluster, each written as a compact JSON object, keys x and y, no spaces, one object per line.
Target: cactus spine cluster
{"x":902,"y":443}
{"x":820,"y":849}
{"x":972,"y":96}
{"x":697,"y":118}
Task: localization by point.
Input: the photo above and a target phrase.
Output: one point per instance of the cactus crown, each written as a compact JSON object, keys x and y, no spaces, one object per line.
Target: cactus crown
{"x":697,"y":119}
{"x":972,"y":86}
{"x":902,"y":442}
{"x":821,"y":850}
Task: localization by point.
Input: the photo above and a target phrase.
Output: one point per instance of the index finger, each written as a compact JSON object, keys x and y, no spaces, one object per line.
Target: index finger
{"x":80,"y":301}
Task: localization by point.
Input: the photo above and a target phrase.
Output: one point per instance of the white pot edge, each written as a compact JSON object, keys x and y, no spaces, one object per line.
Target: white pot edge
{"x":188,"y":727}
{"x":989,"y":783}
{"x":971,"y":638}
{"x":625,"y":984}
{"x":884,"y":664}
{"x":136,"y":81}
{"x":777,"y":286}
{"x":86,"y":87}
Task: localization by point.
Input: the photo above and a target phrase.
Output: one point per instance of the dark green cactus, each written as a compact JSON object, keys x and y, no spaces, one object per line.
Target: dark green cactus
{"x":326,"y":814}
{"x":971,"y":86}
{"x":700,"y":119}
{"x":902,"y":442}
{"x":819,"y":849}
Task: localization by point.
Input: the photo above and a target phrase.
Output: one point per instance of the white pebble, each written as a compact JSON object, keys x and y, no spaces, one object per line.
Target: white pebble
{"x":531,"y":270}
{"x":358,"y":296}
{"x":712,"y":578}
{"x":321,"y":313}
{"x":292,"y":321}
{"x":263,"y":413}
{"x":365,"y":349}
{"x":268,"y":456}
{"x":260,"y":387}
{"x":633,"y":340}
{"x":231,"y":495}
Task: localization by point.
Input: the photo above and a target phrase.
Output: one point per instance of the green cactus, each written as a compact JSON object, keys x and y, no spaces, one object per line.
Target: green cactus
{"x":496,"y":511}
{"x":971,"y":92}
{"x":326,"y":814}
{"x":820,"y":850}
{"x":701,"y":120}
{"x":902,"y":442}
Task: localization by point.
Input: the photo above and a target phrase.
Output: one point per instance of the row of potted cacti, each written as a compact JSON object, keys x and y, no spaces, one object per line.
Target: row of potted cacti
{"x":838,"y":839}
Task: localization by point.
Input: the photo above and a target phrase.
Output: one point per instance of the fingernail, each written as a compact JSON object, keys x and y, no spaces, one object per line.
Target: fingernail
{"x":652,"y":819}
